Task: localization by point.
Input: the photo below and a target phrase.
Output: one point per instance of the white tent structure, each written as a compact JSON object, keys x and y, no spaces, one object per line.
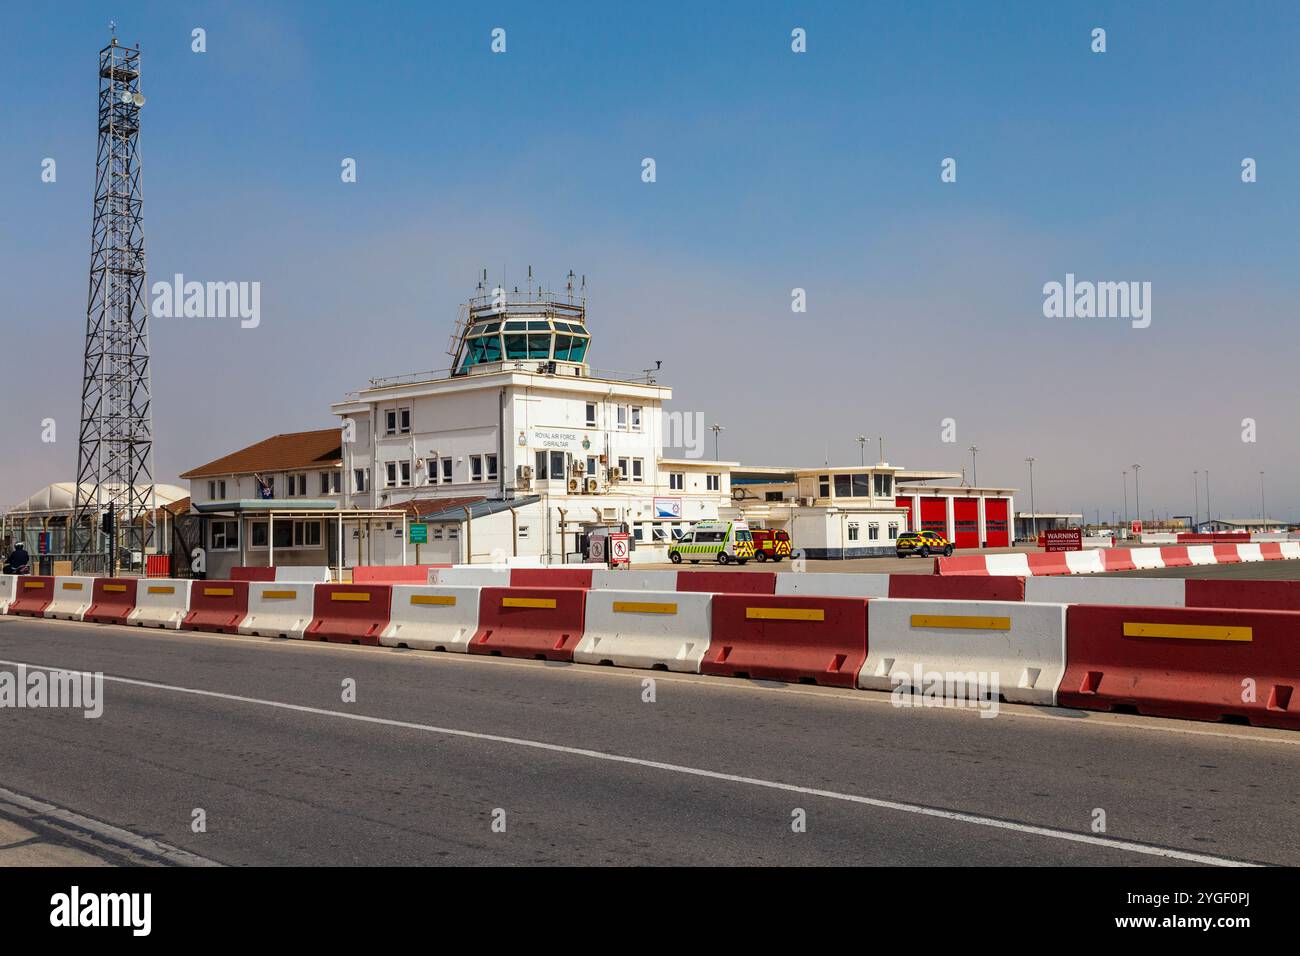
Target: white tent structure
{"x":52,"y":508}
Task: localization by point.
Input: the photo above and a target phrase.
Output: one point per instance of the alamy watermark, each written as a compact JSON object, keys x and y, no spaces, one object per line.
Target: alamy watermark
{"x":923,"y":688}
{"x":1098,"y":300}
{"x":179,"y":299}
{"x":37,"y":689}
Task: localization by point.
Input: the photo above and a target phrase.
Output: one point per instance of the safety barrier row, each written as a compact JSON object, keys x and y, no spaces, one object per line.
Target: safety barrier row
{"x":1085,"y":648}
{"x":1101,"y":560}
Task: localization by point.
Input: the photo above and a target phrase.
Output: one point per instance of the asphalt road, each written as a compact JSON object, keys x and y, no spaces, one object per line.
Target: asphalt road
{"x":582,"y":770}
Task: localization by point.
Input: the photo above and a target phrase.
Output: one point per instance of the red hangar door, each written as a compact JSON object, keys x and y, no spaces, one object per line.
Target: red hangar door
{"x":996,"y":531}
{"x":966,"y":522}
{"x":934,"y":515}
{"x":905,"y":502}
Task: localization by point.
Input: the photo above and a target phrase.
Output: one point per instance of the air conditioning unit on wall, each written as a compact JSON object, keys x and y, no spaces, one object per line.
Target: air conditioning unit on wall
{"x":593,"y":486}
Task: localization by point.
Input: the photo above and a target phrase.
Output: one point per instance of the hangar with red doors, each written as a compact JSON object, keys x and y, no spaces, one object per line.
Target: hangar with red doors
{"x":968,"y":517}
{"x":854,"y":512}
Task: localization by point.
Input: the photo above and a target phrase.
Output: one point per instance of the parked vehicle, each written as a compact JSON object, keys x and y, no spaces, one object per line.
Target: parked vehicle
{"x":923,"y":543}
{"x":720,"y":541}
{"x":771,"y":544}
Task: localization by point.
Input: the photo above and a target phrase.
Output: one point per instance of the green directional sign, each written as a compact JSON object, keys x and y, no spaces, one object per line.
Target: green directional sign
{"x":419,"y":533}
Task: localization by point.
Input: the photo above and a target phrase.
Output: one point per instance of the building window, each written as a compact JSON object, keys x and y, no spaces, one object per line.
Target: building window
{"x":824,"y":486}
{"x":225,"y":535}
{"x":397,"y":421}
{"x":636,"y":418}
{"x":893,"y":530}
{"x":330,"y":482}
{"x":884,"y":486}
{"x":712,"y":482}
{"x":324,"y":482}
{"x":873,"y":531}
{"x":853,"y":531}
{"x":397,"y":474}
{"x":290,"y":486}
{"x":361,"y":480}
{"x":660,"y":532}
{"x":557,"y":466}
{"x":540,"y":459}
{"x":638,"y":531}
{"x":624,"y":466}
{"x":446,"y":471}
{"x":306,"y":534}
{"x":622,"y":417}
{"x":475,"y":467}
{"x":491,"y":467}
{"x":637,"y":466}
{"x":390,"y":474}
{"x":861,"y":486}
{"x":591,"y":414}
{"x":212,"y":490}
{"x":258,"y":534}
{"x":591,"y":466}
{"x":676,"y":481}
{"x":773,"y":496}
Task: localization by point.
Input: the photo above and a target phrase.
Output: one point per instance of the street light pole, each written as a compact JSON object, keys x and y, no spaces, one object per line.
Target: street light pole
{"x":1263,"y":515}
{"x":1137,"y":493}
{"x":716,"y":429}
{"x":1208,"y":516}
{"x":974,"y":475}
{"x":862,"y":449}
{"x":882,"y":449}
{"x":1126,"y":499}
{"x":1033,"y":512}
{"x":1196,"y":497}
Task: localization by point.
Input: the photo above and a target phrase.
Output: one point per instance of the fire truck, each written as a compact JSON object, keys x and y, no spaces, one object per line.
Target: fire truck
{"x":771,"y":544}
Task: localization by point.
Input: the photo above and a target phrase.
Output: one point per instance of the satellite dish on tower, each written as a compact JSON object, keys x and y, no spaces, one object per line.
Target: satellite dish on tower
{"x":138,"y":99}
{"x":125,"y":97}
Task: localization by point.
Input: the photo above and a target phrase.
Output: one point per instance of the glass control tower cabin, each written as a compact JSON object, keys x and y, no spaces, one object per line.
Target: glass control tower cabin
{"x":515,"y":327}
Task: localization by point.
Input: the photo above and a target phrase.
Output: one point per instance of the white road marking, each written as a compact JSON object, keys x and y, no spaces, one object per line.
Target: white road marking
{"x":164,"y":851}
{"x":1089,"y":719}
{"x":975,"y":819}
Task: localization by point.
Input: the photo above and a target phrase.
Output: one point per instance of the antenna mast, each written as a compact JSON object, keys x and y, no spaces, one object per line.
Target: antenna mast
{"x":115,"y":448}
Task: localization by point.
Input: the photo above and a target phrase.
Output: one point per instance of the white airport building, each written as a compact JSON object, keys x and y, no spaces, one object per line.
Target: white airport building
{"x":521,"y":450}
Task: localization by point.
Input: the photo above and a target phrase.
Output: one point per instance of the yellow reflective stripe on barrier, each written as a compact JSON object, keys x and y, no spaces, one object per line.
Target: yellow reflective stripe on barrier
{"x":116,"y":588}
{"x":72,"y":585}
{"x":160,"y":589}
{"x":785,"y":614}
{"x":527,"y":602}
{"x":280,"y":595}
{"x":974,"y":622}
{"x":643,"y":607}
{"x":34,"y":584}
{"x":349,"y":596}
{"x":1189,"y":632}
{"x":446,"y":600}
{"x":218,"y":592}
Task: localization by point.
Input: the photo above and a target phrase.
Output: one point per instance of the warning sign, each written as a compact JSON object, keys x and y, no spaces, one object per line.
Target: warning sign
{"x":618,"y":548}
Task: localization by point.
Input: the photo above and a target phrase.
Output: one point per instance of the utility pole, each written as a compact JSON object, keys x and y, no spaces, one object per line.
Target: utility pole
{"x":716,"y":429}
{"x":862,"y":449}
{"x":974,"y":475}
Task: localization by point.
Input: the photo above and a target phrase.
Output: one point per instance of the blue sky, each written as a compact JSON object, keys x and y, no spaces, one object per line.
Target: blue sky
{"x":775,"y":170}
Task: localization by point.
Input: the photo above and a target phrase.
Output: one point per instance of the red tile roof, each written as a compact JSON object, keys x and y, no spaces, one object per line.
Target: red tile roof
{"x":318,"y":449}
